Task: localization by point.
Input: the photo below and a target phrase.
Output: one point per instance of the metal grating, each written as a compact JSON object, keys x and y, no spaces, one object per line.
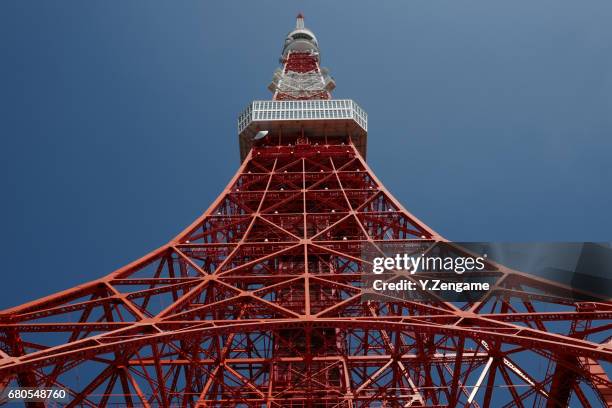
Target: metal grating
{"x":329,"y":109}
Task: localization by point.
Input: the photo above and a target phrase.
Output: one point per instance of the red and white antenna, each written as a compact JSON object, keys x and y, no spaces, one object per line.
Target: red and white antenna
{"x":301,"y":77}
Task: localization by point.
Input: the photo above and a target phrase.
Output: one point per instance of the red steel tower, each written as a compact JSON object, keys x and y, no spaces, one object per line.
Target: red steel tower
{"x":259,"y":302}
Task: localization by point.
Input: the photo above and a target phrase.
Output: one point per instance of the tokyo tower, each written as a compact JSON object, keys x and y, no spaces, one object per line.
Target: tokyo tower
{"x":259,"y":302}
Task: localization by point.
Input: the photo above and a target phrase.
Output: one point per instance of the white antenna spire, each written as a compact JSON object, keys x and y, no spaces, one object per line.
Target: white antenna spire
{"x":299,"y":22}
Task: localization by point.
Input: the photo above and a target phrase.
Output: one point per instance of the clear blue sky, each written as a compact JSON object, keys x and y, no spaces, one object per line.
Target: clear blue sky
{"x":489,"y":120}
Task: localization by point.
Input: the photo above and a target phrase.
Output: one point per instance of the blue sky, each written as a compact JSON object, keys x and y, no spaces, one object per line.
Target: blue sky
{"x":489,"y":120}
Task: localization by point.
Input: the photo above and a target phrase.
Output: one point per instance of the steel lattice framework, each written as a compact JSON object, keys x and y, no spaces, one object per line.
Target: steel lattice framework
{"x":259,"y":303}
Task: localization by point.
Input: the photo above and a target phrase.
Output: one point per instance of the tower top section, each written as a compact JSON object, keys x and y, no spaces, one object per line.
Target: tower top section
{"x":301,"y":39}
{"x":302,"y":110}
